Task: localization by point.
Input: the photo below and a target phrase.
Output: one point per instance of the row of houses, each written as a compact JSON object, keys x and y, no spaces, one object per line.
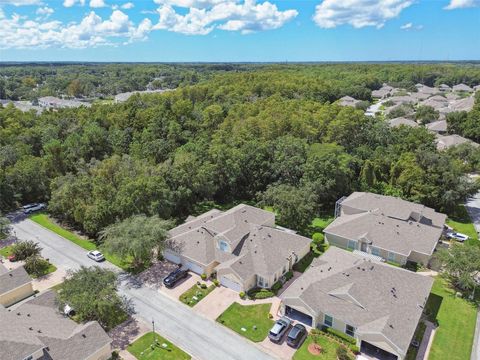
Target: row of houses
{"x":33,"y":328}
{"x":350,"y":288}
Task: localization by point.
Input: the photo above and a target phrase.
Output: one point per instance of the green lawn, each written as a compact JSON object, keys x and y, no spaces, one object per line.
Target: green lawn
{"x":43,"y":220}
{"x":329,"y":349}
{"x":142,"y":349}
{"x":322,"y":222}
{"x":460,"y":221}
{"x":252,"y":318}
{"x":6,"y":251}
{"x":195,"y":291}
{"x":456,"y":318}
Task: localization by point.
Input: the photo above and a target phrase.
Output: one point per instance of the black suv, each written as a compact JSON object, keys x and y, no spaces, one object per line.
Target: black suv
{"x":174,"y":277}
{"x":296,"y":335}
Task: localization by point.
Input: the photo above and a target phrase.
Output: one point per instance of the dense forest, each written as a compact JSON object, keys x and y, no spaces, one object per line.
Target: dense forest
{"x":264,"y":134}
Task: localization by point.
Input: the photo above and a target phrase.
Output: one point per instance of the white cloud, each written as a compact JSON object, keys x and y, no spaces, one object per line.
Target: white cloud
{"x":20,"y":2}
{"x":70,"y":3}
{"x":410,"y":26}
{"x":358,"y":13}
{"x":205,"y":15}
{"x":97,"y":3}
{"x":44,"y":11}
{"x":91,"y":31}
{"x":462,"y":4}
{"x":127,"y":6}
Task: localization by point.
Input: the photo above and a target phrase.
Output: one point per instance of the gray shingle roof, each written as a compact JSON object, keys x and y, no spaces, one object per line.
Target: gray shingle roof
{"x":248,"y":230}
{"x":371,"y":296}
{"x":402,"y":121}
{"x":12,"y":279}
{"x":401,"y":237}
{"x":37,"y":324}
{"x":394,"y":207}
{"x":437,"y":126}
{"x":447,"y":141}
{"x":462,"y":87}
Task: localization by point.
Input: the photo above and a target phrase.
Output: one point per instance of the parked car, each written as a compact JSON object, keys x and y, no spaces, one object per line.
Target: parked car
{"x":68,"y":310}
{"x":296,"y":335}
{"x":279,"y":329}
{"x":34,"y":207}
{"x":174,"y":277}
{"x":96,"y":255}
{"x":457,"y":236}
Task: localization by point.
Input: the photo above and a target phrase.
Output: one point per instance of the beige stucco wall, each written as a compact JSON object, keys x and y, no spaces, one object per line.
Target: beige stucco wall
{"x":103,"y":353}
{"x":419,"y":258}
{"x":16,"y":295}
{"x":336,"y":241}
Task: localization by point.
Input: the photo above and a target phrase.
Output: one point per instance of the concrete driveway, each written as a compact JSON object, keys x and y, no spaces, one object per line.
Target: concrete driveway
{"x":183,"y":286}
{"x":197,"y":335}
{"x":281,"y":350}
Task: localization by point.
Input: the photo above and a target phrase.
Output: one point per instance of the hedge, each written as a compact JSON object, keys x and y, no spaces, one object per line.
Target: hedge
{"x":349,"y":339}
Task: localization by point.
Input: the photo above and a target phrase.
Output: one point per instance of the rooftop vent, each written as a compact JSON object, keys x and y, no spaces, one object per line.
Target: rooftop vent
{"x":330,"y":268}
{"x":30,"y":328}
{"x":10,"y":274}
{"x":28,"y":315}
{"x":84,"y":336}
{"x":39,"y":331}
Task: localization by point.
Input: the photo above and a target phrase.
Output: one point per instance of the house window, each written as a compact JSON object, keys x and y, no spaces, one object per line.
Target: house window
{"x":223,"y":246}
{"x":352,"y":244}
{"x":328,"y":320}
{"x":350,"y":330}
{"x":375,"y":251}
{"x":260,"y":281}
{"x":391,"y":256}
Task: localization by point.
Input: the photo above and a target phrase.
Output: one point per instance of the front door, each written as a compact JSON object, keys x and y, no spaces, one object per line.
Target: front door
{"x":363,"y":247}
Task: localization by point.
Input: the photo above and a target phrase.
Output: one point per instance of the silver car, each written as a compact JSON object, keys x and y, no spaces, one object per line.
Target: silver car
{"x":279,"y":329}
{"x":96,"y":255}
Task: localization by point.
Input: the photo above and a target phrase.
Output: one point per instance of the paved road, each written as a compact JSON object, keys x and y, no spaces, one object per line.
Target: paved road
{"x":201,"y":337}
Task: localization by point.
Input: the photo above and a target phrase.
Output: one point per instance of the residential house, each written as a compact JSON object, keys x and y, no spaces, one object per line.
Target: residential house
{"x":377,"y":304}
{"x":15,"y":285}
{"x":426,"y":89}
{"x":444,"y":88}
{"x":36,"y":330}
{"x":462,"y":88}
{"x":465,"y":104}
{"x":402,"y":121}
{"x":386,"y":227}
{"x":348,"y":101}
{"x":383,"y":92}
{"x":439,"y":127}
{"x":242,"y":246}
{"x":57,"y":103}
{"x":447,"y":141}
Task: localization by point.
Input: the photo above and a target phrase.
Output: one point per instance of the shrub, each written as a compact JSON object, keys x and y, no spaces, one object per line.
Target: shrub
{"x":354,"y":348}
{"x":277,"y":286}
{"x":288,"y":275}
{"x":318,"y":238}
{"x":241,"y":294}
{"x":216,"y":282}
{"x":203,"y":286}
{"x":25,"y":249}
{"x":342,"y":353}
{"x":204,"y":276}
{"x":260,"y":294}
{"x":340,"y":335}
{"x":36,"y":266}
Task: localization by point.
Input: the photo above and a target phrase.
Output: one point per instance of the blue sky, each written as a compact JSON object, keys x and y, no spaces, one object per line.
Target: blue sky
{"x":239,"y":30}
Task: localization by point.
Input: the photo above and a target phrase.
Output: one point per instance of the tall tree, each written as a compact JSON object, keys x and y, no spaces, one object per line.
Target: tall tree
{"x":138,"y":237}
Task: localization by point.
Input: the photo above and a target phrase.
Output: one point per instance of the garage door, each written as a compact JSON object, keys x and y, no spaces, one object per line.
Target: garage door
{"x":171,"y":257}
{"x":230,"y":284}
{"x":375,"y":352}
{"x":298,"y":316}
{"x":195,"y":268}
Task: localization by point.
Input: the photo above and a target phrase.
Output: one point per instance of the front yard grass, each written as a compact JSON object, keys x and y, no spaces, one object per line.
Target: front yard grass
{"x":461,"y":222}
{"x":329,"y":348}
{"x":253,"y":319}
{"x":195,"y":294}
{"x":6,"y":251}
{"x":45,"y":221}
{"x":142,"y":349}
{"x":51,"y":268}
{"x":456,"y":318}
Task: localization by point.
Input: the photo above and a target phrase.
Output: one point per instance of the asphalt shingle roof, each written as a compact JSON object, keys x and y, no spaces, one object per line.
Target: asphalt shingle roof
{"x":371,"y":296}
{"x":12,"y":279}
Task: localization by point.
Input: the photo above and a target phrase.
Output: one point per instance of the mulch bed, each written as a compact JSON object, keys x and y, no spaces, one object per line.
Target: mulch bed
{"x":314,"y":349}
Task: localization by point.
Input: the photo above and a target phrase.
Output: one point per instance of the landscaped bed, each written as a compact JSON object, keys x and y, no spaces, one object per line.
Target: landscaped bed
{"x":328,"y":349}
{"x":195,"y":294}
{"x":142,"y":349}
{"x":250,"y":321}
{"x":456,"y":318}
